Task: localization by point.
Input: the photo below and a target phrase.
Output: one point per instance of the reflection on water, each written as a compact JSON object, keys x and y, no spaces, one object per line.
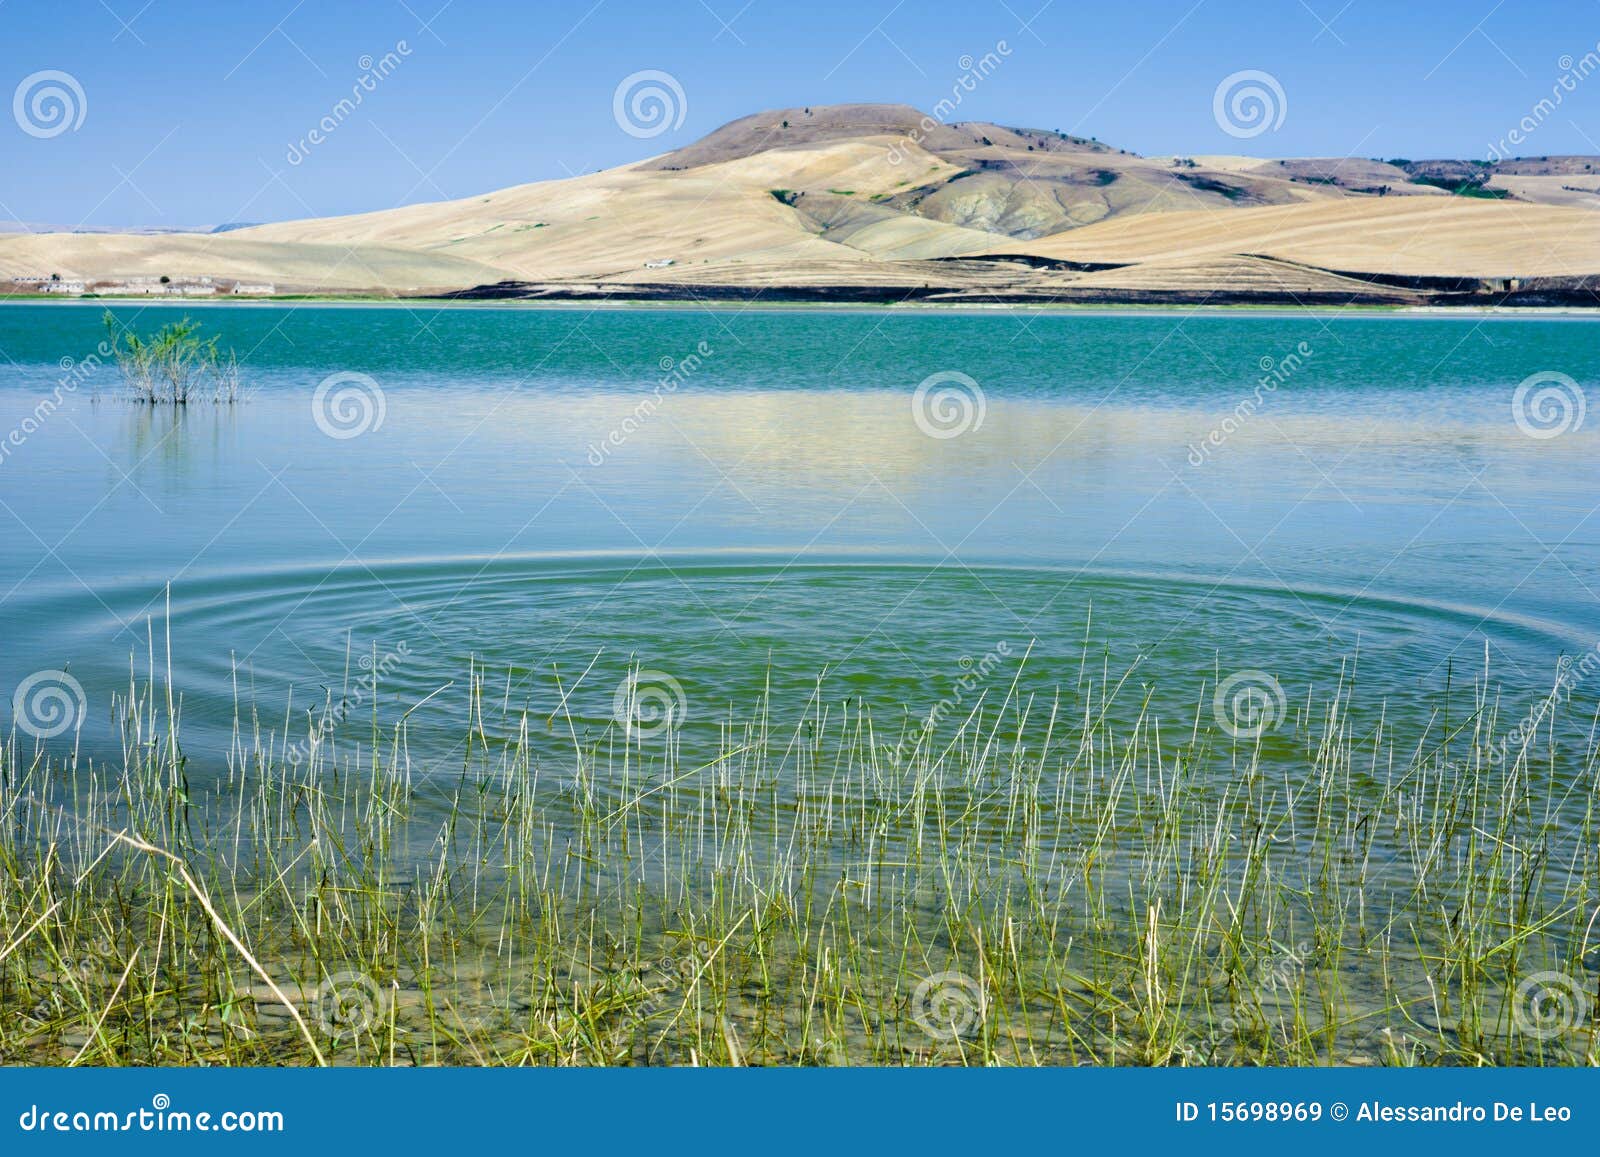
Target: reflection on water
{"x":179,"y":438}
{"x":1346,"y":514}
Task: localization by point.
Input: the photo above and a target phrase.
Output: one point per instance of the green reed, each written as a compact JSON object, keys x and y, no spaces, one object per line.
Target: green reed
{"x":1056,"y":879}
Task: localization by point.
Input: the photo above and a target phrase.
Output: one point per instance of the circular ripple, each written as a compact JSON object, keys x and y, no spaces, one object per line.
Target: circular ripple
{"x":560,"y":637}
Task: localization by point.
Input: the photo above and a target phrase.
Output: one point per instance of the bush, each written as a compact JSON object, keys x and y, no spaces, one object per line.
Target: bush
{"x":173,"y":365}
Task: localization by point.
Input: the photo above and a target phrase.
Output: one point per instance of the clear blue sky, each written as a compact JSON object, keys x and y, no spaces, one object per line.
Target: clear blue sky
{"x":191,"y":107}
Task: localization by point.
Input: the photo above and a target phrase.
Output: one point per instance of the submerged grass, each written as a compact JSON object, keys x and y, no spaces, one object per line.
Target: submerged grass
{"x":1029,"y":883}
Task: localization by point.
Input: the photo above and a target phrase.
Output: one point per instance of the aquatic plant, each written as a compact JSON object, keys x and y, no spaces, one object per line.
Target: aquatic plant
{"x":1024,"y":883}
{"x":173,"y":365}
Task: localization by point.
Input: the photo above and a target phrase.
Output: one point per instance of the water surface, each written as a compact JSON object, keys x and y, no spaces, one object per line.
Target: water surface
{"x":740,"y":500}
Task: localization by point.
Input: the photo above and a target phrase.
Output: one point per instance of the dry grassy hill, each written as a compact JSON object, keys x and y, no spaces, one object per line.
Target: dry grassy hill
{"x":879,"y":202}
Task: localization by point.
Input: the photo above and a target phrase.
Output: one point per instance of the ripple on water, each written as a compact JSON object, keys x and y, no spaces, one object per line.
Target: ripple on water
{"x":710,"y":634}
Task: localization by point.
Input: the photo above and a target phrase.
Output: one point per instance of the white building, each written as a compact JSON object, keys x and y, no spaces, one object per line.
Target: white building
{"x":258,"y":289}
{"x":137,"y":285}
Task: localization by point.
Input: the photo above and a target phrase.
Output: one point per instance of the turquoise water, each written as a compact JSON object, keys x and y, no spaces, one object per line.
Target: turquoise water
{"x":741,"y":500}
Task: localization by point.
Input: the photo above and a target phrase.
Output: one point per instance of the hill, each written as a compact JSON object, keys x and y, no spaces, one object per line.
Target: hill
{"x":883,"y":203}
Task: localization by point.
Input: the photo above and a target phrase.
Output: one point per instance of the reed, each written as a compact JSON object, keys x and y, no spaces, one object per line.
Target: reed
{"x":1024,"y":884}
{"x":174,"y":365}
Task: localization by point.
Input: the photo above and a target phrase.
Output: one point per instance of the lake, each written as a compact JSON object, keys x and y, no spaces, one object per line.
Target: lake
{"x":538,"y":529}
{"x":777,"y":510}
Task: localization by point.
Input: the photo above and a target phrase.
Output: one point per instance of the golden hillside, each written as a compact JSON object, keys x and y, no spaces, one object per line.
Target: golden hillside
{"x":865,"y":202}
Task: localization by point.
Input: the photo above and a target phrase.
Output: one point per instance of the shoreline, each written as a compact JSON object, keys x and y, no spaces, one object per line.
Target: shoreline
{"x":734,"y":305}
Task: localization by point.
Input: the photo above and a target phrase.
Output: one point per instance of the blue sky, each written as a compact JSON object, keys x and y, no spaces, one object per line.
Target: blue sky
{"x":189,"y":110}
